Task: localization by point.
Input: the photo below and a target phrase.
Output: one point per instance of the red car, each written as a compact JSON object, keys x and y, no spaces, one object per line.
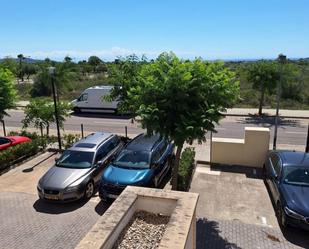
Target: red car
{"x":6,"y":142}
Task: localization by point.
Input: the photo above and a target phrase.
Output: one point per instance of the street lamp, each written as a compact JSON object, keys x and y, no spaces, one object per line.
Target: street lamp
{"x":282,"y":60}
{"x":51,"y":72}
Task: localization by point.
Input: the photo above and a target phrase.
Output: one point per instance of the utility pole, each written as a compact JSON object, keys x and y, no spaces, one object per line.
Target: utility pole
{"x":51,"y":71}
{"x":307,"y":144}
{"x":282,"y":60}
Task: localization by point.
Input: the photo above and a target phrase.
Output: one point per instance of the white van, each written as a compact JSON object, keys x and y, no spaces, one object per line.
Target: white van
{"x":91,"y":100}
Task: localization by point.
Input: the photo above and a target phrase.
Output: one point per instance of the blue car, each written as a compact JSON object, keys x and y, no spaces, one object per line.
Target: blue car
{"x":287,"y":175}
{"x":143,"y":162}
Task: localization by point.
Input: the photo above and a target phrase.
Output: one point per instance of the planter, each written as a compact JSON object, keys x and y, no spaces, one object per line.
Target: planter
{"x":178,"y":208}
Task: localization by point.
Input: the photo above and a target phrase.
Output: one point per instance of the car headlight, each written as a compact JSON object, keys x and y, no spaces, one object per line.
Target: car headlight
{"x":71,"y":189}
{"x":293,"y":214}
{"x":39,"y":186}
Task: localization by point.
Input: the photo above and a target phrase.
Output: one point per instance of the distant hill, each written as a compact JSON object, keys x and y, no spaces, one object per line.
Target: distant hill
{"x":27,"y":60}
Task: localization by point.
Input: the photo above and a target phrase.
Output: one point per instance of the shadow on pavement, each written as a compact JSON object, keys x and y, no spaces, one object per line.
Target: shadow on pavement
{"x":57,"y":208}
{"x":250,"y":172}
{"x":102,"y":206}
{"x":102,"y":115}
{"x":208,"y":236}
{"x":269,"y":121}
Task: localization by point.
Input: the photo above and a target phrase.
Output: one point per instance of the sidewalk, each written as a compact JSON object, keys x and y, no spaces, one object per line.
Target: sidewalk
{"x":269,"y":112}
{"x":242,"y":111}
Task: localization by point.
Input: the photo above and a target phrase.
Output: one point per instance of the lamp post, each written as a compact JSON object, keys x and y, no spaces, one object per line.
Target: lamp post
{"x":51,"y":71}
{"x":282,"y":60}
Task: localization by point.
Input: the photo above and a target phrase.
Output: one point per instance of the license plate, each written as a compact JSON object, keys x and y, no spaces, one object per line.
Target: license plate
{"x":112,"y":196}
{"x":51,"y":197}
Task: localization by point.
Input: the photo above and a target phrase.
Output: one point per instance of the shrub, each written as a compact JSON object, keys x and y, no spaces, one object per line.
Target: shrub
{"x":69,"y":139}
{"x":186,"y":167}
{"x":19,"y":152}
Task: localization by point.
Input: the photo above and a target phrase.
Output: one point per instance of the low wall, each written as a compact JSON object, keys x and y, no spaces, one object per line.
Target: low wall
{"x":250,"y":151}
{"x":180,"y":232}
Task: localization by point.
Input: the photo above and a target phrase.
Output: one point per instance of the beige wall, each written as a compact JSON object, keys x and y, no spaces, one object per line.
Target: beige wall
{"x":250,"y":151}
{"x":180,"y":206}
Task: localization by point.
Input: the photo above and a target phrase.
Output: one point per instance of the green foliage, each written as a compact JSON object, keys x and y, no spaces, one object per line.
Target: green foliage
{"x":40,"y":113}
{"x":181,"y":100}
{"x":123,"y":75}
{"x":10,"y":64}
{"x":94,"y":61}
{"x":7,"y":92}
{"x":20,"y":152}
{"x":69,"y":139}
{"x":186,"y":167}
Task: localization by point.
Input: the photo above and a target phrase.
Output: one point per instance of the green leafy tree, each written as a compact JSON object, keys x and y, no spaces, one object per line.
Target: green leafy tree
{"x":8,"y":94}
{"x":10,"y":64}
{"x":40,"y":113}
{"x":94,"y":61}
{"x":20,"y":71}
{"x":181,"y":100}
{"x":29,"y":69}
{"x":264,"y":76}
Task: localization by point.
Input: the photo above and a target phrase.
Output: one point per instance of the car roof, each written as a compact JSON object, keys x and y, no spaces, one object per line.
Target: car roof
{"x":144,"y":142}
{"x":92,"y":141}
{"x":294,"y":158}
{"x":103,"y":87}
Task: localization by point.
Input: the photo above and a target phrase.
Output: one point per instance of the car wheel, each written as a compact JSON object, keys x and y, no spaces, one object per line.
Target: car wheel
{"x":89,"y":190}
{"x":281,"y":216}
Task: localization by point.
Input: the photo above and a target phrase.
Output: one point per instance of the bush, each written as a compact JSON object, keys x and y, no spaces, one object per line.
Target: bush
{"x":69,"y":139}
{"x":19,"y":152}
{"x":186,"y":167}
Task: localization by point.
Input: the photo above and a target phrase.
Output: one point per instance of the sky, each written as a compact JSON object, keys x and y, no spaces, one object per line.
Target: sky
{"x":211,"y":29}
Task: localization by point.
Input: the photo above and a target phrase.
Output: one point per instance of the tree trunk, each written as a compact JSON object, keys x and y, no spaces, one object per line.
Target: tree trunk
{"x":3,"y":125}
{"x":261,"y":100}
{"x":175,"y":167}
{"x":47,"y":130}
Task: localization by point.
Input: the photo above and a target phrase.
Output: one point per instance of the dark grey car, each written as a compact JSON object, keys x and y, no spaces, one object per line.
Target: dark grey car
{"x":77,"y":172}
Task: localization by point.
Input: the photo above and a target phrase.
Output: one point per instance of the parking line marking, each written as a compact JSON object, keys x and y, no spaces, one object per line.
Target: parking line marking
{"x":296,"y":132}
{"x":264,"y":221}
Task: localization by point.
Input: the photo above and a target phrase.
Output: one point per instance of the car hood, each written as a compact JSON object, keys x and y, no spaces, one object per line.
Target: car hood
{"x":126,"y":176}
{"x":60,"y":178}
{"x":297,"y":198}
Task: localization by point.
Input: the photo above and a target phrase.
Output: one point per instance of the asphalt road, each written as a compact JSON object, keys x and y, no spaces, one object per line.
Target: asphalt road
{"x":290,"y":131}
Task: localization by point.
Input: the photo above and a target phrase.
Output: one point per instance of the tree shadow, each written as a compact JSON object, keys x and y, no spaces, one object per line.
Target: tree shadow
{"x":249,"y":172}
{"x":269,"y":121}
{"x":208,"y":236}
{"x":49,"y":207}
{"x":102,"y":206}
{"x":103,"y":115}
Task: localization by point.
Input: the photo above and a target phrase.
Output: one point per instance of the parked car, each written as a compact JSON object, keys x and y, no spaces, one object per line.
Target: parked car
{"x":78,"y":170}
{"x":287,"y":175}
{"x":144,"y":161}
{"x":91,"y":100}
{"x":6,"y":142}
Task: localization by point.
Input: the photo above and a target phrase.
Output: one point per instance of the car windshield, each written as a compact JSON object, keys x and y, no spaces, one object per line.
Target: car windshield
{"x":75,"y":159}
{"x":295,"y":175}
{"x":133,"y":159}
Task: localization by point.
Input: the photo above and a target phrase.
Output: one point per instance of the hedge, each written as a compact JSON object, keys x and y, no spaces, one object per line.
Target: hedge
{"x":20,"y":152}
{"x":186,"y":167}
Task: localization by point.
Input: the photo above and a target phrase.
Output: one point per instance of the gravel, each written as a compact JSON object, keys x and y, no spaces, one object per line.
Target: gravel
{"x":144,"y":231}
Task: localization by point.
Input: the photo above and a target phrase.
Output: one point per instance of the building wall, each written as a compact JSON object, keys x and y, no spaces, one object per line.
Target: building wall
{"x":250,"y":151}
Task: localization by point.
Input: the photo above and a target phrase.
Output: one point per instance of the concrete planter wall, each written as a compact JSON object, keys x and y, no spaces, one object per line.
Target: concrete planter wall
{"x":180,"y":232}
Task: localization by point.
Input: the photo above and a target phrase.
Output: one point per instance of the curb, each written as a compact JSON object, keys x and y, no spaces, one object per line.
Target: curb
{"x":250,"y":115}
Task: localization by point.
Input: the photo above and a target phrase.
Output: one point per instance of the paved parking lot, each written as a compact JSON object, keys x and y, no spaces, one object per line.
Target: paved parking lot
{"x":27,"y":222}
{"x":235,"y":211}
